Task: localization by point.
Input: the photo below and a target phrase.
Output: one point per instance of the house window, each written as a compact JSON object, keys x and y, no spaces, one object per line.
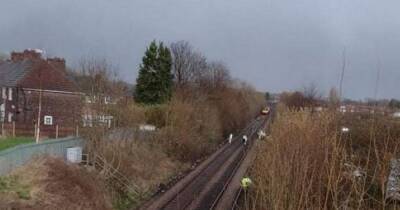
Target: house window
{"x":88,"y":99}
{"x":87,"y":120}
{"x":2,"y":112}
{"x":10,"y":117}
{"x":10,"y":94}
{"x":107,"y":100}
{"x":3,"y":93}
{"x":48,"y":120}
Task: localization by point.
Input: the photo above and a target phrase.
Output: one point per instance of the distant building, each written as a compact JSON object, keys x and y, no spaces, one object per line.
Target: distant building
{"x":23,"y":77}
{"x":147,"y":127}
{"x":92,"y":115}
{"x":342,"y":109}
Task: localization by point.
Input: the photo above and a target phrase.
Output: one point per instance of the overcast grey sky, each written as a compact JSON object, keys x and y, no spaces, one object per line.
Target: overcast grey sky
{"x":272,"y":44}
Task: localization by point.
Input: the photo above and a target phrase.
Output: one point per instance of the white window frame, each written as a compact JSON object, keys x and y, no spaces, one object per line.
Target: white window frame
{"x":88,"y":99}
{"x":2,"y":112}
{"x":46,"y":119}
{"x":87,"y":120}
{"x":10,"y":117}
{"x":4,"y":93}
{"x":10,"y":92}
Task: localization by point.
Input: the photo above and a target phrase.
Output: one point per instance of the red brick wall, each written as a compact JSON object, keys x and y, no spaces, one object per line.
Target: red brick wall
{"x":45,"y":76}
{"x":57,"y":63}
{"x":26,"y":54}
{"x":64,"y":108}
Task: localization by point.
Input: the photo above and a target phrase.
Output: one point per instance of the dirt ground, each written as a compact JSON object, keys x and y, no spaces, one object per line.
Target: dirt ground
{"x":50,"y":183}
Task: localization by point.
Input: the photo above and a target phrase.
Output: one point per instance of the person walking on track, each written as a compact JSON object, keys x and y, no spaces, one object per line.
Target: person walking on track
{"x":230,"y":138}
{"x":261,"y":134}
{"x":244,"y":140}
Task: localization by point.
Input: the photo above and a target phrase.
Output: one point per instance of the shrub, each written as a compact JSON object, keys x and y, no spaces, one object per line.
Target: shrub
{"x":309,"y":164}
{"x":192,"y":129}
{"x":155,"y":115}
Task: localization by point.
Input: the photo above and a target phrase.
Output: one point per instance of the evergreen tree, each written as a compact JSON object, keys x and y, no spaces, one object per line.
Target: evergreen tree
{"x":165,"y":66}
{"x":154,"y":83}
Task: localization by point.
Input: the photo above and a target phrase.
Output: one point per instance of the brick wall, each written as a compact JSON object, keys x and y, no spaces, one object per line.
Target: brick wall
{"x":26,"y":54}
{"x":45,"y":76}
{"x":63,"y":107}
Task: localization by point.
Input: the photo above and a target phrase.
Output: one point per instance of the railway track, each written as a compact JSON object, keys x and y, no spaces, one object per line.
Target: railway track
{"x":204,"y":187}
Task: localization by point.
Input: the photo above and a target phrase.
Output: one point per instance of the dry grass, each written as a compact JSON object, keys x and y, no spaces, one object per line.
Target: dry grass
{"x":50,"y":183}
{"x":307,"y":163}
{"x":143,"y":163}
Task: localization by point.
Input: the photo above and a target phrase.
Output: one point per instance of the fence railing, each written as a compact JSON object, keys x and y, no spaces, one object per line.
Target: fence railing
{"x":21,"y":154}
{"x":50,"y":131}
{"x":111,"y":174}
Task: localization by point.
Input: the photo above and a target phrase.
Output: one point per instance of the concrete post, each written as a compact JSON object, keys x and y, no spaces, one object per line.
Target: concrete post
{"x":57,"y":131}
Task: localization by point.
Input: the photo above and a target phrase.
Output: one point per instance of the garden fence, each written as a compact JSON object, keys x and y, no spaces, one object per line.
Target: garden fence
{"x":21,"y":154}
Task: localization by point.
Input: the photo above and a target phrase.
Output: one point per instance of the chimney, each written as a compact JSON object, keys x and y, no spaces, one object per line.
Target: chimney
{"x":27,"y":54}
{"x":58,"y":63}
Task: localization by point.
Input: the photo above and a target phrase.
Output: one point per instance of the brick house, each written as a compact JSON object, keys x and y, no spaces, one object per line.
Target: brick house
{"x":22,"y":78}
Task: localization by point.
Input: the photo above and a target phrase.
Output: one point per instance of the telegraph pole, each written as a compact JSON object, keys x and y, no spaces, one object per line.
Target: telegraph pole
{"x":39,"y":118}
{"x":39,"y":108}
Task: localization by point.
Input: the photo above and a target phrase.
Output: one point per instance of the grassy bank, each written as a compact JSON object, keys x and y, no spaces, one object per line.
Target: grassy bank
{"x":50,"y":183}
{"x":9,"y":142}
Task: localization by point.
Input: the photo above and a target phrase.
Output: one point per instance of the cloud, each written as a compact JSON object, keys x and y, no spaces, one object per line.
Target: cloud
{"x":274,"y":45}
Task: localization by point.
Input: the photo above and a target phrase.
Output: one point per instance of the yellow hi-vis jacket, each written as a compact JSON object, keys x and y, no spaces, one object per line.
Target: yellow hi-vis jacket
{"x":245,"y":182}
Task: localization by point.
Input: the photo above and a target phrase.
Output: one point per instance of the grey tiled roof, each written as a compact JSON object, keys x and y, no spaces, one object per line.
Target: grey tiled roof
{"x":12,"y":72}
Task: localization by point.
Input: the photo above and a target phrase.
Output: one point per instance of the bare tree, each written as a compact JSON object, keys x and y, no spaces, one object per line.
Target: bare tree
{"x":182,"y":54}
{"x":294,"y":101}
{"x":311,"y":94}
{"x":188,"y":65}
{"x":98,"y":78}
{"x":217,"y":75}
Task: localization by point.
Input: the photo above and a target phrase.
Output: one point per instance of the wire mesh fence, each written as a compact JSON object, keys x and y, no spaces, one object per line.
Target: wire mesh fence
{"x":21,"y":154}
